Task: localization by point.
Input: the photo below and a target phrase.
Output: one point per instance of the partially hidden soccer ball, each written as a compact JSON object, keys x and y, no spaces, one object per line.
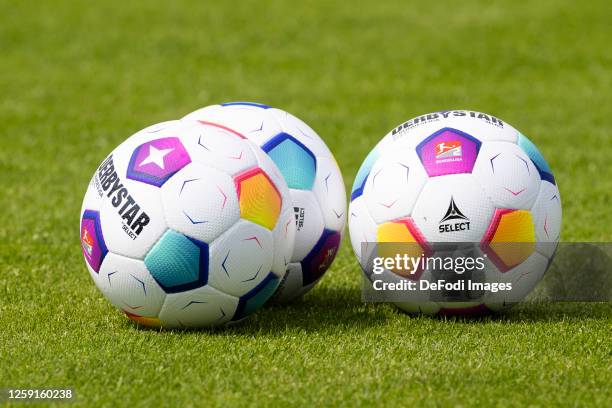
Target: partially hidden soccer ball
{"x":460,"y":176}
{"x":187,"y":225}
{"x":315,"y":183}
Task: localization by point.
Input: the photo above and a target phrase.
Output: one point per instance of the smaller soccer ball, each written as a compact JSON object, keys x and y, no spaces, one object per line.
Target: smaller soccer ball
{"x":315,"y":183}
{"x":464,"y":178}
{"x":187,"y":225}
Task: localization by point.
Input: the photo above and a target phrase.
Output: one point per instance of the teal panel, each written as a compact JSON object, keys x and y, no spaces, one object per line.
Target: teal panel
{"x":297,"y":165}
{"x":174,"y":260}
{"x":261,"y":296}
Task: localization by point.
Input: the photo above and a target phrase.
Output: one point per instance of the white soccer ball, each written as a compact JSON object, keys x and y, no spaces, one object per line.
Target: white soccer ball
{"x":315,"y":183}
{"x":462,"y":177}
{"x":187,"y":225}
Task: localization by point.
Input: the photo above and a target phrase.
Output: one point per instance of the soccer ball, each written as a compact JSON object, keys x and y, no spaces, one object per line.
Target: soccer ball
{"x":187,"y":225}
{"x":459,"y":177}
{"x":315,"y":183}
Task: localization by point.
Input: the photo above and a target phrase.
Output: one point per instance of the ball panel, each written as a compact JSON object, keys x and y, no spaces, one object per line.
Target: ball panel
{"x":330,"y":194}
{"x":538,"y":160}
{"x":260,"y":200}
{"x":320,"y":258}
{"x":256,"y":297}
{"x":185,"y":194}
{"x":362,"y":228}
{"x":453,"y":208}
{"x":295,"y":127}
{"x":178,"y":263}
{"x":284,"y":238}
{"x":394,"y":185}
{"x":129,"y":286}
{"x":219,"y":147}
{"x":448,"y":151}
{"x":201,"y":307}
{"x":92,"y":240}
{"x":247,"y":119}
{"x":309,"y":222}
{"x":547,"y":217}
{"x":155,"y":161}
{"x":296,"y":163}
{"x":241,"y":258}
{"x":508,"y":175}
{"x":510,"y":238}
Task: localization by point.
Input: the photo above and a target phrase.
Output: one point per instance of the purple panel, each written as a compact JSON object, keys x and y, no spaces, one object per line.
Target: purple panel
{"x":154,"y":162}
{"x":448,"y":151}
{"x":92,"y":241}
{"x":320,"y":257}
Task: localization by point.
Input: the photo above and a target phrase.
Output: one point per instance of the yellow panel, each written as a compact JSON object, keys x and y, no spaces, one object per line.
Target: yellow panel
{"x":514,"y":227}
{"x":391,"y":233}
{"x":260,"y":202}
{"x":394,"y":232}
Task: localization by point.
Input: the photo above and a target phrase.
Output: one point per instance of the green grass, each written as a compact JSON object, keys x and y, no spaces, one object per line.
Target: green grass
{"x":76,"y":78}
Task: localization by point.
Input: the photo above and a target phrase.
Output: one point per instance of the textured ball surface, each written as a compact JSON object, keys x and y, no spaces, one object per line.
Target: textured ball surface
{"x":187,"y":224}
{"x":460,"y":176}
{"x":315,"y":183}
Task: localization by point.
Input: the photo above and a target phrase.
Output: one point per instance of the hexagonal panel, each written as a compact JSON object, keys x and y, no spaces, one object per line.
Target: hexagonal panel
{"x":200,"y":202}
{"x":320,"y":257}
{"x":394,"y":185}
{"x":201,"y":307}
{"x":155,"y":161}
{"x":536,"y":157}
{"x":92,"y":240}
{"x":255,"y":298}
{"x":410,"y":240}
{"x":363,"y":173}
{"x":507,"y":174}
{"x":510,"y":239}
{"x":294,"y":160}
{"x":260,"y":200}
{"x":129,"y":286}
{"x":241,"y":258}
{"x":178,"y":263}
{"x":453,"y":209}
{"x":448,"y":151}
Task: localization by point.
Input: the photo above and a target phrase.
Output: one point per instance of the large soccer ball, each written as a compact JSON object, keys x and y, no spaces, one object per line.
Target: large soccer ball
{"x":315,"y":183}
{"x":187,"y":224}
{"x":460,"y":177}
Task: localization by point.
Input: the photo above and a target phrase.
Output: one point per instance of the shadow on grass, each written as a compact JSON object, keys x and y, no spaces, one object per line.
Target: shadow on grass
{"x":328,"y":309}
{"x":537,"y":313}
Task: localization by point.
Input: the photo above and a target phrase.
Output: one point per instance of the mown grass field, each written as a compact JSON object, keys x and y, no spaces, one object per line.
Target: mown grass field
{"x":76,"y":78}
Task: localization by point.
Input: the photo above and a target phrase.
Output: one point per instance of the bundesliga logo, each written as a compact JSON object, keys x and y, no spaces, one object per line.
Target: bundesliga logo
{"x":87,"y":242}
{"x":448,"y":151}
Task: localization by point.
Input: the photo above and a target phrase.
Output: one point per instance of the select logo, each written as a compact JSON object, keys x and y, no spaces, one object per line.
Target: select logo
{"x":299,"y":217}
{"x":454,"y":220}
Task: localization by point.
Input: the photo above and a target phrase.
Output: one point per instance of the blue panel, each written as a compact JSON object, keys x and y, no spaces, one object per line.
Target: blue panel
{"x":258,"y":105}
{"x":363,"y":172}
{"x":178,"y":263}
{"x":536,"y":157}
{"x":256,"y":297}
{"x":295,"y":161}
